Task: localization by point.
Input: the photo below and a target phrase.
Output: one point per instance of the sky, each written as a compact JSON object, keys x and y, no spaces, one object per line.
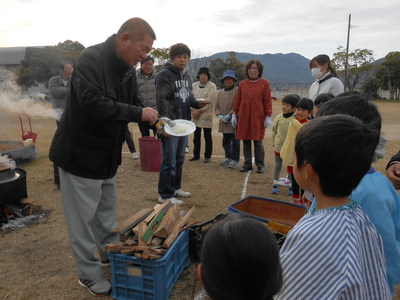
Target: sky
{"x":306,"y":27}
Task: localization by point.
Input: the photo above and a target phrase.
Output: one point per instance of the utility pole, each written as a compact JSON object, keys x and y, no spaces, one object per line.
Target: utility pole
{"x":346,"y":78}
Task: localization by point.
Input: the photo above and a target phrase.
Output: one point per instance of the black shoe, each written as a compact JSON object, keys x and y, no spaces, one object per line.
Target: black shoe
{"x":244,"y":169}
{"x":260,"y":170}
{"x":193,"y":158}
{"x":207,"y":160}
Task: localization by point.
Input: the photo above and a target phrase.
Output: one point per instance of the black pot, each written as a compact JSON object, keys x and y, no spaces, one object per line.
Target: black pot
{"x":13,"y":191}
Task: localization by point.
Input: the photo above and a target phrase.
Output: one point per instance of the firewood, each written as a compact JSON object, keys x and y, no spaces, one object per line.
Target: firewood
{"x":154,"y":223}
{"x":178,"y":228}
{"x":168,"y":222}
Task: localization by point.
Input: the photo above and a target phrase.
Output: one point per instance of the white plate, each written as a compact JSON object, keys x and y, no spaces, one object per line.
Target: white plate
{"x":180,"y":124}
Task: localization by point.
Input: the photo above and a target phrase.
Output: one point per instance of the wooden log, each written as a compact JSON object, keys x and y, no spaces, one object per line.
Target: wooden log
{"x":178,"y":227}
{"x":168,"y":222}
{"x":154,"y":223}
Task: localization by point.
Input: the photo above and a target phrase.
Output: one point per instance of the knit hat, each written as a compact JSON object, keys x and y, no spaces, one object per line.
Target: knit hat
{"x":204,"y":70}
{"x":229,"y":73}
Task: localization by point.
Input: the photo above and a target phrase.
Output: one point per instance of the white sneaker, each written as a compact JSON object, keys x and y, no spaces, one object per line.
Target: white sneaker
{"x":285,"y":181}
{"x":182,"y":193}
{"x":233,"y":164}
{"x":135,"y":155}
{"x":187,"y":149}
{"x":225,"y":162}
{"x":172,"y":199}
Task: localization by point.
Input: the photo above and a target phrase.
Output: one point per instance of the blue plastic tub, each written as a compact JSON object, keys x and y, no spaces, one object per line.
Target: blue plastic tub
{"x":136,"y":278}
{"x":269,"y":209}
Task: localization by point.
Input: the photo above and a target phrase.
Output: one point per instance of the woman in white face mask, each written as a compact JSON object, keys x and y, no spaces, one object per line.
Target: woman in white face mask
{"x":325,"y":77}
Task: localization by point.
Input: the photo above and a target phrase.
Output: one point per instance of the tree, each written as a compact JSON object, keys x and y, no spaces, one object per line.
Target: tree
{"x":218,"y":66}
{"x":40,"y":64}
{"x":161,"y":56}
{"x":371,"y":87}
{"x":359,"y":65}
{"x":388,"y":74}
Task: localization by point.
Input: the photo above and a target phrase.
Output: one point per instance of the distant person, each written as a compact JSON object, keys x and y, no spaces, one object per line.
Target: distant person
{"x":252,"y":114}
{"x":334,"y":251}
{"x":203,"y":117}
{"x":304,"y":109}
{"x":240,"y":260}
{"x":326,"y":80}
{"x":58,"y":87}
{"x":174,"y":98}
{"x":393,"y":170}
{"x":146,"y":78}
{"x":223,"y":110}
{"x":374,"y":193}
{"x":58,"y":90}
{"x":131,"y":144}
{"x":279,"y":132}
{"x":87,"y":145}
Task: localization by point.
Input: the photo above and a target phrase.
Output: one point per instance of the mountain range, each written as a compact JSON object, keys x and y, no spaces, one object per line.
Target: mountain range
{"x":278,"y":68}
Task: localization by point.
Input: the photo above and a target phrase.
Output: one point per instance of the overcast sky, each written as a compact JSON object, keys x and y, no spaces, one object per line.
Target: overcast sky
{"x":307,"y":27}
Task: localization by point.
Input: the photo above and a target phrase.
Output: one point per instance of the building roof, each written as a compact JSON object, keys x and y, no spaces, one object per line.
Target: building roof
{"x":12,"y":55}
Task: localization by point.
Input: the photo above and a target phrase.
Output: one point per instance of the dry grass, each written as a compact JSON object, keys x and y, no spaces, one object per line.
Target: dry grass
{"x":36,"y":261}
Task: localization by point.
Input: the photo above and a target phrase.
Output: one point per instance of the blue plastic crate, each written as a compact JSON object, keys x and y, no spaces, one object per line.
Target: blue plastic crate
{"x":141,"y":279}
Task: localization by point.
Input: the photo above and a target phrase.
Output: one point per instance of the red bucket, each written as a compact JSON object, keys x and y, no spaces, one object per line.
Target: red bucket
{"x":27,"y":134}
{"x":150,"y":154}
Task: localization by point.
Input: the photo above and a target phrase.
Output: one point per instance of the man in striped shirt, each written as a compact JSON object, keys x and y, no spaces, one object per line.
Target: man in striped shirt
{"x":334,"y":252}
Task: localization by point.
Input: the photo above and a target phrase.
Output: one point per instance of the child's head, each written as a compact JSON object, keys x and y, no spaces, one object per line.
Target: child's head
{"x":289,"y":103}
{"x":304,"y":108}
{"x":354,"y":104}
{"x":339,"y":149}
{"x":322,"y":98}
{"x":240,"y":260}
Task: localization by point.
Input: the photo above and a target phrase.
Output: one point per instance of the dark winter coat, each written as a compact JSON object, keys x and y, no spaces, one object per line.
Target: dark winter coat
{"x":103,"y":99}
{"x":174,"y":95}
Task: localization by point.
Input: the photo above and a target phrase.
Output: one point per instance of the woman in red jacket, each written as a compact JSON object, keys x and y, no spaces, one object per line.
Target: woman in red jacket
{"x":252,"y":114}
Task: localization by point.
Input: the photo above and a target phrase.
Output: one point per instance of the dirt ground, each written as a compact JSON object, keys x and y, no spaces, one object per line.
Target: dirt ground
{"x":36,"y":261}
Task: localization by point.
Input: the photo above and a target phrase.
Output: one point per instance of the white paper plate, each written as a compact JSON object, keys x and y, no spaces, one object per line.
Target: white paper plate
{"x":181,"y":128}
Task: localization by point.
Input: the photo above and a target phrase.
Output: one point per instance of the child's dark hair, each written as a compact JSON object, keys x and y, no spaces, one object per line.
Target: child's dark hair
{"x":178,"y":49}
{"x":322,"y":98}
{"x":291,"y":99}
{"x":305,"y":103}
{"x":323,"y":59}
{"x":354,"y":104}
{"x":240,"y":260}
{"x":340,"y":149}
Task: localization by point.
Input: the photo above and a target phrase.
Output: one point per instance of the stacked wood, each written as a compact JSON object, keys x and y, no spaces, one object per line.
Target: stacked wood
{"x":150,"y":233}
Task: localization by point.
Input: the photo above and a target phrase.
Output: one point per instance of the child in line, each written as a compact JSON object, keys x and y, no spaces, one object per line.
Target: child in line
{"x":223,"y":110}
{"x":240,"y":260}
{"x":374,"y":194}
{"x":304,"y":109}
{"x":334,"y":252}
{"x":279,"y":132}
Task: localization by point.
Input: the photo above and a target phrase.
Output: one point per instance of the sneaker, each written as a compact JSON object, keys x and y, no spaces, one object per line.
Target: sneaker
{"x":135,"y":155}
{"x":99,"y":286}
{"x":182,"y":193}
{"x":105,"y":263}
{"x":275,"y":189}
{"x":187,"y":149}
{"x":225,"y":162}
{"x":290,"y":191}
{"x":285,"y":181}
{"x":207,"y":160}
{"x":233,"y":164}
{"x":172,"y":199}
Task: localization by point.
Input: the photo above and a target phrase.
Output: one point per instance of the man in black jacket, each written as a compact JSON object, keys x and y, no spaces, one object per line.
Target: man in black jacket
{"x":88,"y":142}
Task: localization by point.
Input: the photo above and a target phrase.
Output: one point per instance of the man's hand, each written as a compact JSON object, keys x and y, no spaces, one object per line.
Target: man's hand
{"x":149,"y":115}
{"x":393,"y":173}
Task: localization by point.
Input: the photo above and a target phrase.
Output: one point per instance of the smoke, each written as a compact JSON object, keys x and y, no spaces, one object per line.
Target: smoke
{"x":14,"y":100}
